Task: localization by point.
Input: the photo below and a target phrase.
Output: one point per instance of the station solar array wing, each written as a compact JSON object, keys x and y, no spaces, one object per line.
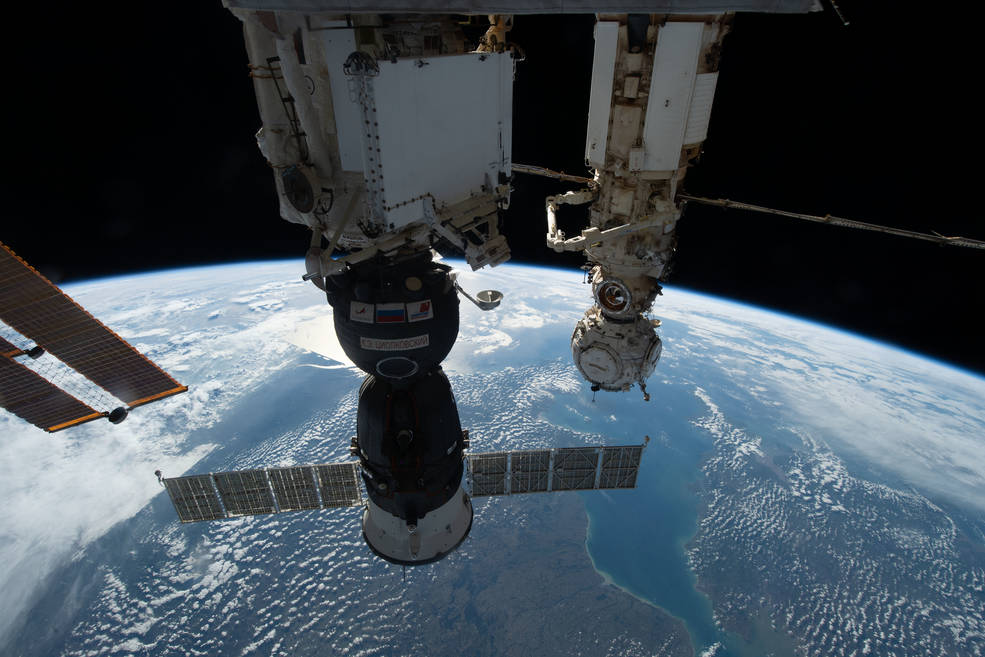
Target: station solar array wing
{"x":34,"y":307}
{"x":34,"y":399}
{"x":549,"y":470}
{"x":8,"y":350}
{"x":255,"y":492}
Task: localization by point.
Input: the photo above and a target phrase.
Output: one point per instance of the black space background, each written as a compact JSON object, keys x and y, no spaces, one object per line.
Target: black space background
{"x":128,"y":146}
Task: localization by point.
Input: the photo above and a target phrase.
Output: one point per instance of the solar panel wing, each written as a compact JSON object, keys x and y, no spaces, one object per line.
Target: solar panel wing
{"x":339,"y":484}
{"x":488,"y":473}
{"x":245,"y":493}
{"x":194,"y":498}
{"x":9,"y":350}
{"x":620,"y":466}
{"x":559,"y":469}
{"x":32,"y":398}
{"x":36,"y":308}
{"x":294,"y":488}
{"x":529,"y":471}
{"x":574,"y":468}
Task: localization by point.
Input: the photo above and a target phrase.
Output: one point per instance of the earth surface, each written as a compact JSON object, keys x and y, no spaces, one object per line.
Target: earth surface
{"x":804,"y":491}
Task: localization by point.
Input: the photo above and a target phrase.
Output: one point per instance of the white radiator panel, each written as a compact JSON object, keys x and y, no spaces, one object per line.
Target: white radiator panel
{"x":700,"y":113}
{"x":675,"y":64}
{"x":600,"y":100}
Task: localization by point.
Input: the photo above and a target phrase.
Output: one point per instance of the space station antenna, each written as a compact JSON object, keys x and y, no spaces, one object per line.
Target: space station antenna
{"x":739,"y":205}
{"x":837,"y":221}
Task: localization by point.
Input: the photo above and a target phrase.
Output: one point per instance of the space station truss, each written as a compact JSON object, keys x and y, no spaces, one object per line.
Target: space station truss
{"x":529,"y":7}
{"x":550,"y":470}
{"x":219,"y":495}
{"x":36,"y":309}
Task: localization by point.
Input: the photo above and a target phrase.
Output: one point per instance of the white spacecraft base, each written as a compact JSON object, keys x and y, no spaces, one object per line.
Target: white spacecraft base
{"x":431,"y":538}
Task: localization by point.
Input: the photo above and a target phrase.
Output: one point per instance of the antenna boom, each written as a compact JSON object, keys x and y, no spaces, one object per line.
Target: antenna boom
{"x":837,"y":221}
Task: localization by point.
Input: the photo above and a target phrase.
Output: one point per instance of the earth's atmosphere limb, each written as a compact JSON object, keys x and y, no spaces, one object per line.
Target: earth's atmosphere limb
{"x":842,"y":497}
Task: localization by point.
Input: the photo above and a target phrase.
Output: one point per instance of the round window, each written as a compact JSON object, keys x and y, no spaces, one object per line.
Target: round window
{"x":396,"y":367}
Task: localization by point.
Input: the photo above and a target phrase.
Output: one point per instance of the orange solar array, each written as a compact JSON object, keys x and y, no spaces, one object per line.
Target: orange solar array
{"x":30,"y":397}
{"x":36,"y":308}
{"x":7,"y":349}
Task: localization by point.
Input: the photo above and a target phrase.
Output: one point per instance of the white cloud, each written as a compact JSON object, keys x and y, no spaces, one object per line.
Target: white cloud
{"x":63,"y":490}
{"x":911,"y":416}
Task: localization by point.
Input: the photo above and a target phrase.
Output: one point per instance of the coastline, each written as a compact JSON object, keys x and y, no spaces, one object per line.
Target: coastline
{"x":607,"y":578}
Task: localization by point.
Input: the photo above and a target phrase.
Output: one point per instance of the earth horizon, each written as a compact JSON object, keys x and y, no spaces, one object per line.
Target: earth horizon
{"x":805,"y":490}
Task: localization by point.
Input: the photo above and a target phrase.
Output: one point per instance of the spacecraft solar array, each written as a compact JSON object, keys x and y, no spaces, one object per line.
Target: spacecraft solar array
{"x":550,"y":470}
{"x":36,"y":311}
{"x":219,"y":495}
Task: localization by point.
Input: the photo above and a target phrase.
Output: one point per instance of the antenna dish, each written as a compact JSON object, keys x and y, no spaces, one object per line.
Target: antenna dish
{"x":485,"y":300}
{"x":489,"y":299}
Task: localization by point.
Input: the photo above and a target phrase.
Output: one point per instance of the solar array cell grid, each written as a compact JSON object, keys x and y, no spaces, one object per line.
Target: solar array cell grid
{"x":339,"y":484}
{"x":33,"y":399}
{"x":294,"y":488}
{"x":529,"y":470}
{"x":194,"y":498}
{"x":37,"y":309}
{"x":8,"y":349}
{"x":620,"y":466}
{"x":488,"y":474}
{"x":245,"y":493}
{"x":574,"y":468}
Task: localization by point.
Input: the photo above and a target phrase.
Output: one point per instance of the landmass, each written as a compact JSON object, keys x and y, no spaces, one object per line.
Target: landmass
{"x":800,"y":557}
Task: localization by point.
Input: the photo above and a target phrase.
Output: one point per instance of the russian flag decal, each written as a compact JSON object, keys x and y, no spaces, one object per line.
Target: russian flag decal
{"x":390,"y":313}
{"x":418,"y":311}
{"x":361,"y":312}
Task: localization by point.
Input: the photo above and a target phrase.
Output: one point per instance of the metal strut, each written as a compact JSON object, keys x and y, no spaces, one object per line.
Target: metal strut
{"x":550,"y":173}
{"x":287,"y":100}
{"x":360,"y":69}
{"x":838,"y":221}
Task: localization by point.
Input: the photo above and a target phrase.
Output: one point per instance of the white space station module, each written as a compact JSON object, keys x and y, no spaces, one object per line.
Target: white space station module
{"x":653,"y":83}
{"x":388,"y":134}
